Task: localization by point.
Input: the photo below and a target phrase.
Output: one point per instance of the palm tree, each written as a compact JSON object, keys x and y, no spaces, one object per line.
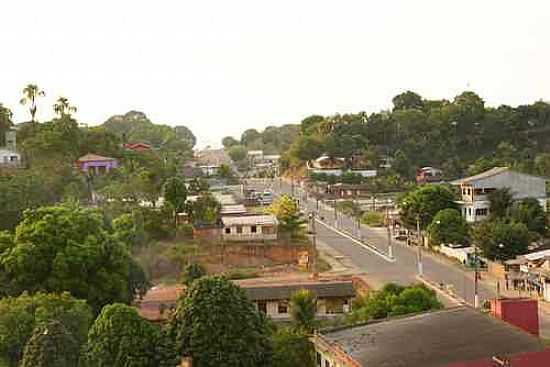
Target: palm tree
{"x":30,"y":93}
{"x":63,"y":108}
{"x":303,"y":306}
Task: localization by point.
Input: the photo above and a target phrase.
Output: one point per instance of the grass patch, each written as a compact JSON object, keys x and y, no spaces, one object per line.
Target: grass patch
{"x":373,"y":219}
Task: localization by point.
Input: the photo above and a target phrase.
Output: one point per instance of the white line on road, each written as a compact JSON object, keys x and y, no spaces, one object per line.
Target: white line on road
{"x":365,"y":246}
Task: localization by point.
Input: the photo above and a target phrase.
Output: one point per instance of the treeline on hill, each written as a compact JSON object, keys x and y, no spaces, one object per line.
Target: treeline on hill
{"x":49,"y":150}
{"x":462,"y":136}
{"x":273,"y":140}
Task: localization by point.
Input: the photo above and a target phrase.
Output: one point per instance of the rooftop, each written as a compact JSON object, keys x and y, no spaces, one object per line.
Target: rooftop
{"x":250,"y":220}
{"x":150,"y":306}
{"x":233,"y":209}
{"x":431,"y":339}
{"x":263,"y":290}
{"x":481,"y":176}
{"x":90,"y":157}
{"x":529,"y":359}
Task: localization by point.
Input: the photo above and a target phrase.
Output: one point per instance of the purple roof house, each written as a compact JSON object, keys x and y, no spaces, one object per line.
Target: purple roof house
{"x":96,"y":163}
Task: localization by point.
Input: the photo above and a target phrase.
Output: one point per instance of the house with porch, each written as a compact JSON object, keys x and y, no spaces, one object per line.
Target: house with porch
{"x":96,"y":164}
{"x":474,"y":190}
{"x":251,"y":227}
{"x":530,"y":273}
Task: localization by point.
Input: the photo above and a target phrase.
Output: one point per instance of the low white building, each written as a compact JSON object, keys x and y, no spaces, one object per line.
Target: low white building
{"x":9,"y":158}
{"x":249,"y":228}
{"x":463,"y":254}
{"x":474,"y":190}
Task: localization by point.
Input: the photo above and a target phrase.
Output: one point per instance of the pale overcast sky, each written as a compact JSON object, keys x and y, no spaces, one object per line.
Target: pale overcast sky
{"x":220,"y":67}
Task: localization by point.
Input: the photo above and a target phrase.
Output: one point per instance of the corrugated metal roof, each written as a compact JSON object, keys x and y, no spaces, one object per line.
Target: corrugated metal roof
{"x":480,"y":176}
{"x":233,"y":209}
{"x":285,"y":291}
{"x":250,"y":220}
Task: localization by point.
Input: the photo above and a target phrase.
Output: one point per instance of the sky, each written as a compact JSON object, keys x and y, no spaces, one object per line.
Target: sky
{"x":220,"y":67}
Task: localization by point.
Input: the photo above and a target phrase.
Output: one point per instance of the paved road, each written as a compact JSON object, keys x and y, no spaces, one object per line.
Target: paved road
{"x":404,"y":269}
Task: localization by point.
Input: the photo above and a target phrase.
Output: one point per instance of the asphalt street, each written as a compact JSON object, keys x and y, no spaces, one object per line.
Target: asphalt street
{"x":379,"y":271}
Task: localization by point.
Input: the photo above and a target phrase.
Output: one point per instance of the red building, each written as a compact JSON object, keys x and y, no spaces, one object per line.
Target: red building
{"x":520,"y":312}
{"x":428,"y":175}
{"x":530,"y":359}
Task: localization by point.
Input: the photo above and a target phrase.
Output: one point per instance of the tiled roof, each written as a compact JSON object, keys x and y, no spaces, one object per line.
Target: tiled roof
{"x":149,"y":307}
{"x":90,"y":157}
{"x":250,"y":220}
{"x":321,"y":289}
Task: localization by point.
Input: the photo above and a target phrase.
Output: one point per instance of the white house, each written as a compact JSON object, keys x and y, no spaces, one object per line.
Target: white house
{"x":249,"y":228}
{"x":474,"y":190}
{"x":9,"y":158}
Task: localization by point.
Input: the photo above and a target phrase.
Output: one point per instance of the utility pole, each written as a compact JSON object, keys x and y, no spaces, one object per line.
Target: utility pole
{"x":390,"y":249}
{"x":314,"y":242}
{"x":419,"y":246}
{"x":476,"y":275}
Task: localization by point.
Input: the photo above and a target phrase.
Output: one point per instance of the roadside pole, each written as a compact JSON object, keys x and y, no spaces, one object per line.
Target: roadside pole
{"x":419,"y":246}
{"x":476,"y":276}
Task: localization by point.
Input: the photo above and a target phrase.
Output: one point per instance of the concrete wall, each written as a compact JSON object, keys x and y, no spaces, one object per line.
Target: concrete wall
{"x":522,"y":313}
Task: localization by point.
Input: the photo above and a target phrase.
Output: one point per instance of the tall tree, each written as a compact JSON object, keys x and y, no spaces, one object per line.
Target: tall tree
{"x":5,"y":123}
{"x":51,"y":345}
{"x":500,"y":240}
{"x":175,"y":193}
{"x":500,"y":203}
{"x":287,"y":211}
{"x":20,"y":316}
{"x":529,"y":212}
{"x":216,"y":325}
{"x":448,"y":226}
{"x":407,"y":100}
{"x":67,"y":248}
{"x":62,"y":107}
{"x":424,"y":202}
{"x":120,"y":337}
{"x":30,"y":94}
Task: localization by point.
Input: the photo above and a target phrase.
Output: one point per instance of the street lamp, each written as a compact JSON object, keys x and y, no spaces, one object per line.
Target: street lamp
{"x":500,"y":247}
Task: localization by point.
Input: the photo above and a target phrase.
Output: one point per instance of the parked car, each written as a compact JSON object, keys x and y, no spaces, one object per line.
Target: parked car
{"x":401,"y":234}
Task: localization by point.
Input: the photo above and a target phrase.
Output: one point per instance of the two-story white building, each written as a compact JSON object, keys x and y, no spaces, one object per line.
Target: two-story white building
{"x":475,"y":189}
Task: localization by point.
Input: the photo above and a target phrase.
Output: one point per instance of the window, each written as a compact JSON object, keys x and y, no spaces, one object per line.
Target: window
{"x":481,"y":212}
{"x":228,"y":230}
{"x":469,"y":191}
{"x":469,"y":211}
{"x":239,"y":229}
{"x":327,"y":364}
{"x":262,"y":306}
{"x":282,"y":307}
{"x":319,"y":360}
{"x":253,"y":229}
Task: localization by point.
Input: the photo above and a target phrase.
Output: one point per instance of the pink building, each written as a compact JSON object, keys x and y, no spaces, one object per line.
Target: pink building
{"x":96,"y":164}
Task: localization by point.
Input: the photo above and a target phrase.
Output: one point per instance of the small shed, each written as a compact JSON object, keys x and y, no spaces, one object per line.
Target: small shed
{"x":96,"y":163}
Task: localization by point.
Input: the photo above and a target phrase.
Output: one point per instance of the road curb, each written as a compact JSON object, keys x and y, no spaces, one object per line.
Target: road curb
{"x":459,"y":301}
{"x":356,"y":241}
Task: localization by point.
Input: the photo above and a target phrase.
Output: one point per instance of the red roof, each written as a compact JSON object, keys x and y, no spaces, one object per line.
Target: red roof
{"x":530,"y":359}
{"x":137,"y":146}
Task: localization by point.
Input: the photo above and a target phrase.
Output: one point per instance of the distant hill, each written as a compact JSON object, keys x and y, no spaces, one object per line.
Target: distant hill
{"x":134,"y":126}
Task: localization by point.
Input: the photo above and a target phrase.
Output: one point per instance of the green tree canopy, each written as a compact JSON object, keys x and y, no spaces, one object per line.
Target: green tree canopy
{"x":501,"y":201}
{"x":448,"y":226}
{"x":21,"y":316}
{"x":119,"y":337}
{"x":192,"y":272}
{"x":216,"y":325}
{"x":175,"y":193}
{"x":529,"y":212}
{"x":292,"y":348}
{"x":51,"y":345}
{"x":424,"y":202}
{"x":287,"y":211}
{"x":229,"y":141}
{"x":500,"y":240}
{"x":407,"y":100}
{"x":67,"y":248}
{"x":205,"y":209}
{"x":237,"y":153}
